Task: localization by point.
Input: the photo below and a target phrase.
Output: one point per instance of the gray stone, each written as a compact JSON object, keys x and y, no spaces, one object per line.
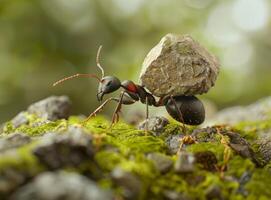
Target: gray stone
{"x":13,"y":141}
{"x":162,"y":162}
{"x":178,"y":65}
{"x":68,"y":149}
{"x":51,"y":108}
{"x":130,"y":184}
{"x":257,"y":111}
{"x":19,"y":120}
{"x":173,"y":143}
{"x":61,"y":185}
{"x":154,"y":124}
{"x":185,"y":162}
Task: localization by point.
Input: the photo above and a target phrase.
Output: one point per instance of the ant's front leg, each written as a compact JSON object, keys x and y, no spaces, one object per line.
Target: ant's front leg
{"x":124,"y":99}
{"x":99,"y":109}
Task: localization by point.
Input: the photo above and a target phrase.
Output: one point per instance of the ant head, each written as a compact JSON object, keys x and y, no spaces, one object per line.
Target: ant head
{"x":108,"y":84}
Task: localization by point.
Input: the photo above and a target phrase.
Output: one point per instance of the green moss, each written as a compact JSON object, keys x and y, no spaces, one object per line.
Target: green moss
{"x":250,"y":129}
{"x":259,"y":186}
{"x":216,"y":148}
{"x":108,"y":160}
{"x":22,"y":160}
{"x":237,"y":166}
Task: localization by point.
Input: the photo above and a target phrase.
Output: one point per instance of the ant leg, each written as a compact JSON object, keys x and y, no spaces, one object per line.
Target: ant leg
{"x":115,"y":117}
{"x":147,"y":116}
{"x":180,"y":115}
{"x":99,"y":109}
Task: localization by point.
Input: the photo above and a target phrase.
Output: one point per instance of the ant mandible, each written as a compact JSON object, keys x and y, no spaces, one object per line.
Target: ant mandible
{"x":185,"y":109}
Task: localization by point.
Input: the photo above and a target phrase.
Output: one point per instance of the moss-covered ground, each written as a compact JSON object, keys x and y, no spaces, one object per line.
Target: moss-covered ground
{"x":123,"y":146}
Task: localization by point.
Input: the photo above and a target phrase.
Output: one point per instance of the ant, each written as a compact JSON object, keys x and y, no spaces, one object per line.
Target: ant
{"x":185,"y":109}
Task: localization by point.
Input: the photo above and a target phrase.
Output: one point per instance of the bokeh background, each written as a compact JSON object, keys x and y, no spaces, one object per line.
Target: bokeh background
{"x":42,"y":41}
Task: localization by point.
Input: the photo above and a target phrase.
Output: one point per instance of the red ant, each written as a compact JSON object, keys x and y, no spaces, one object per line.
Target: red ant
{"x":185,"y":109}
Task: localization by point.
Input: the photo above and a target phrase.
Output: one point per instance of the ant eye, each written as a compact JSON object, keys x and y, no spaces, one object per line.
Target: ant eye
{"x":108,"y":83}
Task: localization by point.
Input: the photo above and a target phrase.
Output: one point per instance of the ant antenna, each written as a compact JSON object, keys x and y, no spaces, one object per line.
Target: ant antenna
{"x":85,"y":75}
{"x":76,"y":76}
{"x":98,"y":60}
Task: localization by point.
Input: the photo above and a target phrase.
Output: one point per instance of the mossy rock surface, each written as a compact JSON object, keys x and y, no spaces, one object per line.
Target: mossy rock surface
{"x":227,"y":161}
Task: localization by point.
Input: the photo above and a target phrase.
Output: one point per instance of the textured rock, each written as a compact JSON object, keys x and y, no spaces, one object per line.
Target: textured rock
{"x":162,"y":162}
{"x":257,"y":111}
{"x":173,"y":143}
{"x":51,"y":108}
{"x":60,"y":150}
{"x":185,"y":163}
{"x":20,"y":119}
{"x":129,"y":183}
{"x":13,"y":141}
{"x":61,"y":185}
{"x":155,"y":124}
{"x":178,"y":65}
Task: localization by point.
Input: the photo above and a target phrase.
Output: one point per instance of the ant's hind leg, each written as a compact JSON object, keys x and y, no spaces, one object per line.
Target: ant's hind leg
{"x":179,"y":114}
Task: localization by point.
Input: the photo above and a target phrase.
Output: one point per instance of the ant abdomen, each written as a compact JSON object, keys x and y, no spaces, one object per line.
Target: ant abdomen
{"x":191,"y":110}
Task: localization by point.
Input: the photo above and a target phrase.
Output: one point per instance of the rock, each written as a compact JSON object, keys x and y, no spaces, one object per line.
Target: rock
{"x":257,"y":111}
{"x":51,"y":108}
{"x":245,"y":178}
{"x":19,"y":120}
{"x":162,"y":162}
{"x":178,"y":65}
{"x":129,"y":183}
{"x":13,"y":141}
{"x":61,"y":185}
{"x":173,"y":143}
{"x":264,"y":147}
{"x":69,"y":149}
{"x":185,"y":163}
{"x":236,"y":141}
{"x":207,"y":160}
{"x":155,"y":124}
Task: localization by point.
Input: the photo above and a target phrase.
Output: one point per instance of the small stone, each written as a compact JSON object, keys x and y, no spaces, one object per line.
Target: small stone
{"x":162,"y":162}
{"x":130,"y":184}
{"x":173,"y":143}
{"x":185,"y":163}
{"x":51,"y":108}
{"x":154,"y":124}
{"x":13,"y":141}
{"x":67,"y":149}
{"x":178,"y":65}
{"x":19,"y":120}
{"x":61,"y":185}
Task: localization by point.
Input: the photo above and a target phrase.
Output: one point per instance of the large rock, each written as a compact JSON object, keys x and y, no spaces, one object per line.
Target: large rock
{"x":61,"y":185}
{"x":178,"y":65}
{"x":51,"y":108}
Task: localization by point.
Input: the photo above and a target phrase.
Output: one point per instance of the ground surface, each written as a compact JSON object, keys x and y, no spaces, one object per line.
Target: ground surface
{"x":44,"y":156}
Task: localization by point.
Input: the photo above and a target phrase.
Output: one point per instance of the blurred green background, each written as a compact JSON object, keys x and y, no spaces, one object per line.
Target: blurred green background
{"x":42,"y":41}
